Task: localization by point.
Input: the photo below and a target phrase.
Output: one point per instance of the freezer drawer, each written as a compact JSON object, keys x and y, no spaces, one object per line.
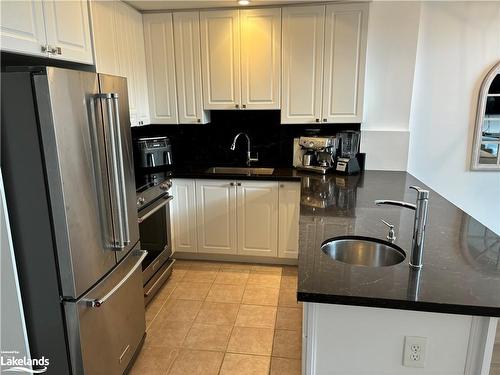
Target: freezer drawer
{"x":106,"y":325}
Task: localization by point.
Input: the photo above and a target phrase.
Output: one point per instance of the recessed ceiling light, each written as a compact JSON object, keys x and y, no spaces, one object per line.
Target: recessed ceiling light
{"x":243,"y":2}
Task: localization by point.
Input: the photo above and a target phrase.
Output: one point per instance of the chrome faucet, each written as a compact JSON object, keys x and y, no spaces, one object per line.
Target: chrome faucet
{"x":419,"y":223}
{"x":249,"y":156}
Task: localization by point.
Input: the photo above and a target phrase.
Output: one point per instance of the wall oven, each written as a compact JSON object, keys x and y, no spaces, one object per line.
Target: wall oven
{"x":153,"y":203}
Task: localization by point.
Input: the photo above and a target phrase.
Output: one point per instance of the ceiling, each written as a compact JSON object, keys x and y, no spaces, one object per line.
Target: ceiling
{"x":156,"y":5}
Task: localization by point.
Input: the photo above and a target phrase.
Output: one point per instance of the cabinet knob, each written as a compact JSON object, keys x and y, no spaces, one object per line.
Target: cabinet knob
{"x":282,"y":185}
{"x":238,"y":184}
{"x":317,"y":120}
{"x":231,"y":184}
{"x":198,"y":120}
{"x":236,"y":106}
{"x":244,"y":106}
{"x":324,"y":120}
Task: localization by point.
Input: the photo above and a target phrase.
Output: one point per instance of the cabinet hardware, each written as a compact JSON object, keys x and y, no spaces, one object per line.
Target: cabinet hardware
{"x":231,"y":184}
{"x":282,"y":185}
{"x":237,"y":106}
{"x":238,"y":184}
{"x":57,"y":50}
{"x":317,"y":120}
{"x":324,"y":120}
{"x":45,"y":48}
{"x":244,"y":105}
{"x":198,"y":120}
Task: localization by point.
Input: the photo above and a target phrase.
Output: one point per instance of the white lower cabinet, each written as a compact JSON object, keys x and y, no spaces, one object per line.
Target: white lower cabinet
{"x":257,"y":218}
{"x":248,"y":218}
{"x":216,"y":216}
{"x":288,"y":227}
{"x":183,"y":214}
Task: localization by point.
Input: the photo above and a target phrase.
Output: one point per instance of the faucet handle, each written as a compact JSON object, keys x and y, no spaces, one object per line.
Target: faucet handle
{"x":392,"y":235}
{"x":421,"y":193}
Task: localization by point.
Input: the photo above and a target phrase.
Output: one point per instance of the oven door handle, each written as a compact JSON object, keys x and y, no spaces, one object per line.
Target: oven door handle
{"x":140,"y":219}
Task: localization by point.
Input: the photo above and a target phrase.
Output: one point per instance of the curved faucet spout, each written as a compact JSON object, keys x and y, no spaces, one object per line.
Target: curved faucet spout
{"x":389,"y":202}
{"x":249,"y":155}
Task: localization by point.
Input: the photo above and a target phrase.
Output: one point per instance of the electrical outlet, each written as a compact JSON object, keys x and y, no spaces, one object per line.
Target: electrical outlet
{"x":414,"y":351}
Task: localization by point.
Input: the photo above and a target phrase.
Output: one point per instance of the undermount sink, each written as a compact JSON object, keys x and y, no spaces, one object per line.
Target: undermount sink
{"x":363,"y":251}
{"x":241,"y":170}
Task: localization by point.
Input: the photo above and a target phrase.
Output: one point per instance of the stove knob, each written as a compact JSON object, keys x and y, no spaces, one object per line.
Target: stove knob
{"x":140,"y":201}
{"x":166,"y":185}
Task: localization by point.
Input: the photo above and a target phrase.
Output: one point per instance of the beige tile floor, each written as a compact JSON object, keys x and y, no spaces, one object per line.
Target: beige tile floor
{"x":224,"y":318}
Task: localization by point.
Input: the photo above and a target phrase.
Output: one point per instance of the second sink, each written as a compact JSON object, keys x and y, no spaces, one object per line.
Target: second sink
{"x":241,"y":170}
{"x":363,"y":251}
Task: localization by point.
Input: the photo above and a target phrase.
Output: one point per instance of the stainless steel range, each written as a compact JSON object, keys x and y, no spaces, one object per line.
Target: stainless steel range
{"x":153,"y":205}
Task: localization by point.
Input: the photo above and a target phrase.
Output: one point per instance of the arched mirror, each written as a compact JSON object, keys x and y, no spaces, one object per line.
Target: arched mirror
{"x":486,"y":149}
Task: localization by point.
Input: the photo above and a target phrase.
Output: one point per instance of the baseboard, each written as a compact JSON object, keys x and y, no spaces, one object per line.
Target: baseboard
{"x":234,"y":258}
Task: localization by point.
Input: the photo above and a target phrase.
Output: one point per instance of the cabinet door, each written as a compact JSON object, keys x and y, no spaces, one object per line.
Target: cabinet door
{"x":220,"y":53}
{"x":68,"y":28}
{"x":105,"y":37}
{"x":289,"y":211}
{"x":159,"y":38}
{"x":22,"y":27}
{"x":216,"y":216}
{"x":260,"y":58}
{"x":257,"y":221}
{"x":303,"y":35}
{"x":188,"y":68}
{"x":183,"y":216}
{"x":139,"y":69}
{"x":344,"y":70}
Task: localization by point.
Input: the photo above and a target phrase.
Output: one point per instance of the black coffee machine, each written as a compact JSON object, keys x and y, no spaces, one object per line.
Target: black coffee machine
{"x":154,"y":152}
{"x":346,"y":161}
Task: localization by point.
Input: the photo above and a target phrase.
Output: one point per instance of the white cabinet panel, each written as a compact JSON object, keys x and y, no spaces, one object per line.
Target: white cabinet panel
{"x":303,"y":36}
{"x":216,"y":216}
{"x":220,"y":52}
{"x":260,"y":58}
{"x":345,"y":50}
{"x":105,"y":38}
{"x":257,"y":218}
{"x":188,"y":68}
{"x":289,"y":211}
{"x":159,"y":37}
{"x":183,"y":216}
{"x":68,"y":29}
{"x":22,"y":27}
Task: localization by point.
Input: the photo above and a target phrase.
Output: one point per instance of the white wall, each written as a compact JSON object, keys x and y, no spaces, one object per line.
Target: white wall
{"x":390,"y":66}
{"x":458,"y":43}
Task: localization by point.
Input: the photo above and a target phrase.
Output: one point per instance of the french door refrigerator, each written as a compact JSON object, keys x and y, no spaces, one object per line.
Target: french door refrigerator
{"x":69,"y":180}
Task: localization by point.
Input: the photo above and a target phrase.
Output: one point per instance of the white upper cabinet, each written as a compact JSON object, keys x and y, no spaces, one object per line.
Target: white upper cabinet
{"x":220,"y":53}
{"x":345,"y":55}
{"x":303,"y":41}
{"x":216,"y":216}
{"x":68,"y":29}
{"x":260,"y":58}
{"x":188,"y":68}
{"x":105,"y":38}
{"x":119,"y":50}
{"x":48,"y":28}
{"x":324,"y":49}
{"x":22,"y":27}
{"x":257,"y":218}
{"x":160,"y":61}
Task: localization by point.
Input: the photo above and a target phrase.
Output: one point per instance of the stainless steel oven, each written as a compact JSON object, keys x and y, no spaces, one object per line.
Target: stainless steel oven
{"x":153,"y":202}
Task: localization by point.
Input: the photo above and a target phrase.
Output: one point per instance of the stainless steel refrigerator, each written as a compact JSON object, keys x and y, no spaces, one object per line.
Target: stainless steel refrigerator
{"x":66,"y":155}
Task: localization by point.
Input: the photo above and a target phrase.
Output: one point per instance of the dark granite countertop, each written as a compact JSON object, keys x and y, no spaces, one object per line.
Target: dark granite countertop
{"x":461,"y":272}
{"x":279,"y":174}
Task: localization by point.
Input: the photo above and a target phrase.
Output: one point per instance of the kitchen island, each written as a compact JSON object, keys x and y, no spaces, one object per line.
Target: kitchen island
{"x":356,"y":318}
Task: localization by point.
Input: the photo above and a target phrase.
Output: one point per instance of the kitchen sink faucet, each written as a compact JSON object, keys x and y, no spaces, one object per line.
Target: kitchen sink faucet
{"x":249,"y":156}
{"x":419,"y":223}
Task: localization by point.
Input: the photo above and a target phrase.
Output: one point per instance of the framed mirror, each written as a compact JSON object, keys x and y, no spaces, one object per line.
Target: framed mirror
{"x":486,"y":147}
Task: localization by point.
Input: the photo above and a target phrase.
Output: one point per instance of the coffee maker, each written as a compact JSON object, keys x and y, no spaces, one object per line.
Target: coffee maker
{"x":348,"y":147}
{"x":315,"y":153}
{"x":154,"y":152}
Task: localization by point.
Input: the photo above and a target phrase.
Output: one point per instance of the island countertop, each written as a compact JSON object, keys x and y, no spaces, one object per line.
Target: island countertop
{"x":461,"y":272}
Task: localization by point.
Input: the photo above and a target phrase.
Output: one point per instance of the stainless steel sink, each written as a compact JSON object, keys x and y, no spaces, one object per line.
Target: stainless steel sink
{"x":241,"y":170}
{"x":363,"y":251}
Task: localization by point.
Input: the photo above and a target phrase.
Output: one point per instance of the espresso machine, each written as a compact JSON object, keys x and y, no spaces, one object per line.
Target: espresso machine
{"x":314,"y":153}
{"x":154,"y":152}
{"x":346,"y":161}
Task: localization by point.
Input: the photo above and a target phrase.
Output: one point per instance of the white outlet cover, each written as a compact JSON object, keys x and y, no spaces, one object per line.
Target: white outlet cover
{"x":414,"y":352}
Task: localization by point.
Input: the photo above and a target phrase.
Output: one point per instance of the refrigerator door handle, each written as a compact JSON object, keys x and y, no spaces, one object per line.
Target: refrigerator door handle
{"x":98,"y":302}
{"x":119,"y":242}
{"x":123,"y":195}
